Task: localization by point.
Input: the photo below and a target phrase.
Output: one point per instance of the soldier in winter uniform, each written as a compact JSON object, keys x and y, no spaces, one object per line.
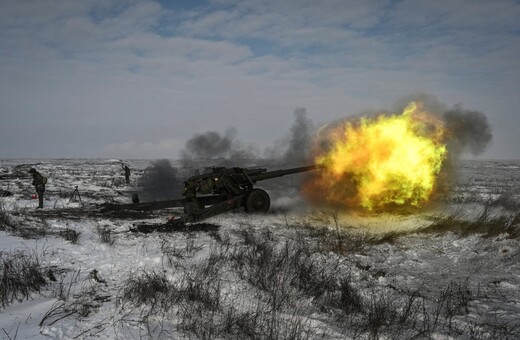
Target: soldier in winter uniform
{"x":127,"y":173}
{"x":39,"y":185}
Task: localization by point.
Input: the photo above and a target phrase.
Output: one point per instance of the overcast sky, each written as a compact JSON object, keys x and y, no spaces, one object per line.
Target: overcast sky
{"x":137,"y":78}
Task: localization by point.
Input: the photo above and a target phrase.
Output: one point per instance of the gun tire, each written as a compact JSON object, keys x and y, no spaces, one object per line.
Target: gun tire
{"x":257,"y":201}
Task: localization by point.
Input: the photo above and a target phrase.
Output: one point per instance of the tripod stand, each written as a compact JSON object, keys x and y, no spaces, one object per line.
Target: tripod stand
{"x":75,"y":196}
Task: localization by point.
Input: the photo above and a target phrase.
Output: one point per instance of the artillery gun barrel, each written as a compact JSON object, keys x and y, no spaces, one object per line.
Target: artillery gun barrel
{"x":282,"y":172}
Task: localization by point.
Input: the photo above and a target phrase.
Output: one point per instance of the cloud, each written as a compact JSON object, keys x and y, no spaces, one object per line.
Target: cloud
{"x":476,"y":15}
{"x":136,"y":65}
{"x":287,"y":23}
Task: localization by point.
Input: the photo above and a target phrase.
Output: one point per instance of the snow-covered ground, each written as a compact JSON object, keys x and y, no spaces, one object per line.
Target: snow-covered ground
{"x":452,"y":271}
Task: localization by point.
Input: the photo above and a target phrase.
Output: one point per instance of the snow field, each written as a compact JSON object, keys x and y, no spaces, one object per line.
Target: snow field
{"x":293,"y":274}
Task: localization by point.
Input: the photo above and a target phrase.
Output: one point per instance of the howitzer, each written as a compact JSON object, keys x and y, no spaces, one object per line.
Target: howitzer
{"x":220,"y":190}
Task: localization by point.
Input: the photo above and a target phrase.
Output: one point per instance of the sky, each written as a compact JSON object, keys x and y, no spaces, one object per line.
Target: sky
{"x":138,"y":78}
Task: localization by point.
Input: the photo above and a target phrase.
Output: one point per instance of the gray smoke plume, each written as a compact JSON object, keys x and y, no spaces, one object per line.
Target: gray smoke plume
{"x":470,"y":131}
{"x":293,"y":150}
{"x":297,"y":151}
{"x":227,"y":150}
{"x":209,"y":145}
{"x":160,"y":181}
{"x":220,"y":150}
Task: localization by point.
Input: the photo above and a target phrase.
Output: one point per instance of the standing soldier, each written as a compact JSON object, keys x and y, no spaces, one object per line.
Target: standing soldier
{"x":127,"y":173}
{"x":39,"y":184}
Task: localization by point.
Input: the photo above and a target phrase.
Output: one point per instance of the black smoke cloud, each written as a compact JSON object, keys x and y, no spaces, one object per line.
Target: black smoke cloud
{"x":227,"y":150}
{"x":217,"y":149}
{"x":160,"y":181}
{"x":469,"y":131}
{"x":209,"y":145}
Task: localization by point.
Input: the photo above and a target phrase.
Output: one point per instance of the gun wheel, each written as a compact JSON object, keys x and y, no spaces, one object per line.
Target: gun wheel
{"x":257,"y":201}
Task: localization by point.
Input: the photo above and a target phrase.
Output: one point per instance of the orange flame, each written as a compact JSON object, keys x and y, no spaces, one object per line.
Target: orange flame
{"x":380,"y":163}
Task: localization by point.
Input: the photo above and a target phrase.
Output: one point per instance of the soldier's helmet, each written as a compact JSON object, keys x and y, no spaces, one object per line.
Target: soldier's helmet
{"x":32,"y":170}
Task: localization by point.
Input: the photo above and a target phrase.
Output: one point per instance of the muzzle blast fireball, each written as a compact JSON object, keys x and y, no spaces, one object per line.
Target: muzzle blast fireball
{"x":380,"y":163}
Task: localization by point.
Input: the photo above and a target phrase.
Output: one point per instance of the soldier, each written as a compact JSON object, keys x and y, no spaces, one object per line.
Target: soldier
{"x":127,"y":173}
{"x":39,"y":185}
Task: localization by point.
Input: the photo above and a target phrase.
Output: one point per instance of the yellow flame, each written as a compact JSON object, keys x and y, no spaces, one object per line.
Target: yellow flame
{"x":381,"y":162}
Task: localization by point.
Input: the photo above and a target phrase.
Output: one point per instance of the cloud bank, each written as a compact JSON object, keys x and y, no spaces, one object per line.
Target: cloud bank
{"x":138,"y":78}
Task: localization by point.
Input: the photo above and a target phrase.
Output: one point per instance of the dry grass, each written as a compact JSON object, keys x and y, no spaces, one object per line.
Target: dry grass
{"x":21,"y":274}
{"x":486,"y":224}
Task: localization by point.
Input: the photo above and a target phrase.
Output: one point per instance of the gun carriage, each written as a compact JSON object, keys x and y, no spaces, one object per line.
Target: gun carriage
{"x":218,"y":191}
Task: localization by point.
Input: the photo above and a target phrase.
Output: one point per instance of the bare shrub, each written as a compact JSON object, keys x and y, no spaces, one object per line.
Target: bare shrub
{"x":452,"y":301}
{"x":201,"y":322}
{"x":312,"y":275}
{"x":389,"y":237}
{"x":196,"y":298}
{"x":321,"y":218}
{"x":105,"y":235}
{"x":29,"y":228}
{"x":201,"y":289}
{"x":6,"y":222}
{"x":32,"y":231}
{"x":344,"y":242}
{"x":249,"y":236}
{"x":62,"y":287}
{"x":80,"y":305}
{"x":287,"y":327}
{"x":153,"y":290}
{"x":149,"y":288}
{"x":284,"y":271}
{"x":349,"y":300}
{"x":324,"y":228}
{"x":494,"y":329}
{"x":257,"y":323}
{"x":21,"y":274}
{"x":266,"y":267}
{"x":173,"y":254}
{"x":241,"y":324}
{"x":191,"y":246}
{"x":70,"y":235}
{"x":456,"y":298}
{"x":298,"y":328}
{"x":386,"y":315}
{"x":379,"y":313}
